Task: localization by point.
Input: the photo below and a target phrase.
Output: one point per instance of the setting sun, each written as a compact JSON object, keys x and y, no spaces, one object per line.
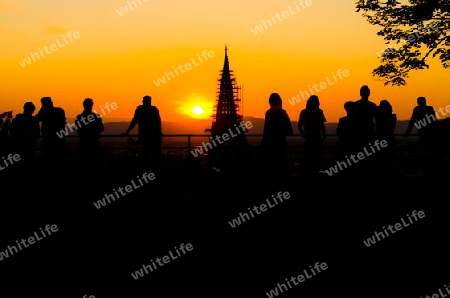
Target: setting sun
{"x":197,"y":110}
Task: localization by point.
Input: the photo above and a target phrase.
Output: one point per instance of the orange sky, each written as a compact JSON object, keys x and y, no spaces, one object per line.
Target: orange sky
{"x":118,"y":55}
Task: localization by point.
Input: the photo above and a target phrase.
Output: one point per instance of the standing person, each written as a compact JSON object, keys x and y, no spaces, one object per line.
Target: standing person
{"x":365,"y":116}
{"x":424,"y":119}
{"x":311,"y":125}
{"x":89,"y":133}
{"x":277,"y":125}
{"x":147,"y":117}
{"x":53,"y":122}
{"x":346,"y":132}
{"x":386,"y":122}
{"x":25,"y":133}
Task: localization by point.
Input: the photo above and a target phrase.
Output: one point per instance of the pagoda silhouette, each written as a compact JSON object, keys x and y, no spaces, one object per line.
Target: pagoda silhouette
{"x":227,"y":114}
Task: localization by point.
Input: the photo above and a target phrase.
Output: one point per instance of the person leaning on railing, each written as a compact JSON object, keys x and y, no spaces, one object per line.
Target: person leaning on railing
{"x":148,"y":120}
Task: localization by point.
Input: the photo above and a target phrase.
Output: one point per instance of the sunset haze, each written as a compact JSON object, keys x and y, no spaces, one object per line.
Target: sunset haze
{"x":120,"y":54}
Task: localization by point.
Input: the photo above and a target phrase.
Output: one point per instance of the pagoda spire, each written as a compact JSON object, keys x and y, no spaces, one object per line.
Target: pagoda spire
{"x":228,"y":101}
{"x":227,"y":115}
{"x":226,"y":64}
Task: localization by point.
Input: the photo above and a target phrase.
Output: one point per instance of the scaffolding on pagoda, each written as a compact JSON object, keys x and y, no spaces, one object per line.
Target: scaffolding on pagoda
{"x":227,"y":115}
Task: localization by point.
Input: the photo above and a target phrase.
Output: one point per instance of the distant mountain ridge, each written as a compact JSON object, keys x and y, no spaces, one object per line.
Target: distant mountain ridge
{"x":258,"y":126}
{"x":199,"y":126}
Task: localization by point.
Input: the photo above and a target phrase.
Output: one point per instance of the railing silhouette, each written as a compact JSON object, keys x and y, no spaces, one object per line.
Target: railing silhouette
{"x":190,"y":146}
{"x":128,"y":148}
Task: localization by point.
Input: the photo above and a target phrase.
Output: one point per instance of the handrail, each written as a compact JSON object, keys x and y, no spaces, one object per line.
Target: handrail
{"x":208,"y":135}
{"x":189,"y":136}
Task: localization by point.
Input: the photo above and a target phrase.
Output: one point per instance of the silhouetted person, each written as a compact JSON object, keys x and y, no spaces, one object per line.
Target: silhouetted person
{"x":25,"y":133}
{"x":424,"y":119}
{"x":53,"y":123}
{"x":346,"y":131}
{"x":147,"y":117}
{"x":90,"y":126}
{"x":277,"y":125}
{"x":386,"y":122}
{"x":311,"y":125}
{"x":365,"y":116}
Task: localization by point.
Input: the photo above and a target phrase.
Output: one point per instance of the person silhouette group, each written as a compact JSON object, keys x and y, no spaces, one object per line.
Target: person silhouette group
{"x":50,"y":125}
{"x":364,"y":123}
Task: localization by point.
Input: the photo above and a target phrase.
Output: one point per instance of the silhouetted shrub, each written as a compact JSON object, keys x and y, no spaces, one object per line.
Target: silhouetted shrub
{"x":5,"y":121}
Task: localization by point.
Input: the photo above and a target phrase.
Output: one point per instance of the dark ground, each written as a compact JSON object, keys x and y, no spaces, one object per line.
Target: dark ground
{"x":95,"y":250}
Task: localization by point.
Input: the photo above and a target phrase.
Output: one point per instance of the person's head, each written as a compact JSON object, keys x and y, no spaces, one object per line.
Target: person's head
{"x":88,"y":103}
{"x":364,"y":91}
{"x":386,"y":106}
{"x":313,"y":102}
{"x":146,"y":100}
{"x":47,"y":102}
{"x":29,"y":108}
{"x":275,"y":100}
{"x":421,"y":101}
{"x":349,"y":107}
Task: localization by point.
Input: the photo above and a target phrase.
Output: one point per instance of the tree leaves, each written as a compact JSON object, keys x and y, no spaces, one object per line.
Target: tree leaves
{"x":423,"y":23}
{"x":5,"y":120}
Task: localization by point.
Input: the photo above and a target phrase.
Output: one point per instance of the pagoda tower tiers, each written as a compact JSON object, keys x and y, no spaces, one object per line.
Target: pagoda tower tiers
{"x":227,"y":110}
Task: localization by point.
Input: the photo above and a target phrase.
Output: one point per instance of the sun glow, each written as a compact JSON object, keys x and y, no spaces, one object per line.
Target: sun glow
{"x":197,"y":110}
{"x":195,"y":107}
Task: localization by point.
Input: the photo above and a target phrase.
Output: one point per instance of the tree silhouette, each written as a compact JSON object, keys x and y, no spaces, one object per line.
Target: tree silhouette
{"x":5,"y":120}
{"x":415,"y":30}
